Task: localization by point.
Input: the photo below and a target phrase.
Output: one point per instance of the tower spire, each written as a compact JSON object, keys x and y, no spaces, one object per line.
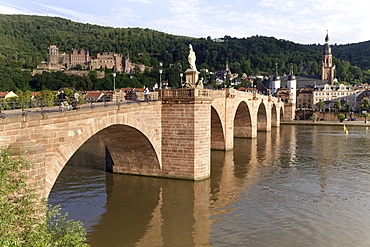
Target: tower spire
{"x":327,"y":37}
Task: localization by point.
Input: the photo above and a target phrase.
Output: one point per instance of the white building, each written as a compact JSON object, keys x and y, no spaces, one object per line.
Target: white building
{"x":332,"y":93}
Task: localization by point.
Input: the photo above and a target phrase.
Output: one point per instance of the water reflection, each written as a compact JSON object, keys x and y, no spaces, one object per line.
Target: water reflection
{"x":293,"y":186}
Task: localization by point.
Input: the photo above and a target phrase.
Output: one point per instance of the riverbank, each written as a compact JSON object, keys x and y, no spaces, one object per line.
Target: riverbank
{"x":310,"y":122}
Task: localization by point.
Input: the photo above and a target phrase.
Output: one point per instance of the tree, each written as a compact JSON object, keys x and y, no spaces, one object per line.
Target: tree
{"x":347,"y":106}
{"x":320,"y":104}
{"x":365,"y":104}
{"x":337,"y":105}
{"x":366,"y":115}
{"x":25,"y":218}
{"x":314,"y":117}
{"x":341,"y":117}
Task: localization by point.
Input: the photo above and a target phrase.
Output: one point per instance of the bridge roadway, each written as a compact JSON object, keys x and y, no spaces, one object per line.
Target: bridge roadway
{"x":171,"y":137}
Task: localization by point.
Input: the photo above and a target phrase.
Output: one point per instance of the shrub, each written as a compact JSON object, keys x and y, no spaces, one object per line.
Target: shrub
{"x":25,"y":218}
{"x":341,"y":116}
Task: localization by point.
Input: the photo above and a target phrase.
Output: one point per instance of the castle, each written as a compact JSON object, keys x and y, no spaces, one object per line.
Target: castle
{"x":62,"y":61}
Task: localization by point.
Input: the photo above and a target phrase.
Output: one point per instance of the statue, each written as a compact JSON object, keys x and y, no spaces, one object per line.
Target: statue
{"x":192,"y":58}
{"x":191,"y":74}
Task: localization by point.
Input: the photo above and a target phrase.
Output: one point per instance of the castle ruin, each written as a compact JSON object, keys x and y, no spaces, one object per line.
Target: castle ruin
{"x":62,"y":61}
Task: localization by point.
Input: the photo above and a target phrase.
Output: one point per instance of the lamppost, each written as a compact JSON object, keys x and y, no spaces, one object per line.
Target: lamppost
{"x":160,"y":78}
{"x":181,"y":75}
{"x":114,"y":82}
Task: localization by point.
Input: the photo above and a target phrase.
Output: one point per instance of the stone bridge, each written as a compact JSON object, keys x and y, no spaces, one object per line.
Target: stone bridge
{"x":170,"y":138}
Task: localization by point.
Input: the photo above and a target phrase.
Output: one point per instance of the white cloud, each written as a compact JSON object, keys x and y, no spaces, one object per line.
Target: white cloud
{"x":12,"y":9}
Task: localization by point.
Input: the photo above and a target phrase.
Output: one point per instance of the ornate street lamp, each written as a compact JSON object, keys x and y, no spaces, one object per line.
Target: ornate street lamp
{"x":114,"y":82}
{"x":181,"y":75}
{"x":160,"y":78}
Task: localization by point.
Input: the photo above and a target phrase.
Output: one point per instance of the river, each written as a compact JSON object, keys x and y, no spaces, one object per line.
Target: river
{"x":293,"y":186}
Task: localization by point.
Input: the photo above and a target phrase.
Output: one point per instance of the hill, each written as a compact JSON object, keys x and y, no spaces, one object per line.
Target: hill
{"x":25,"y":39}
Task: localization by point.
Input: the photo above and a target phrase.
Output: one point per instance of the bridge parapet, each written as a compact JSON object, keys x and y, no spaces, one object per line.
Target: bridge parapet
{"x":185,"y":94}
{"x":232,"y":93}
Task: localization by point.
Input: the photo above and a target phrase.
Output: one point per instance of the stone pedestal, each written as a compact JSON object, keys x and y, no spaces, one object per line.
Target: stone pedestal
{"x":192,"y":78}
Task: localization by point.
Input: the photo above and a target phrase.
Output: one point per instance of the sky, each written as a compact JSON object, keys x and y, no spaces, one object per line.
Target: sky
{"x":300,"y":21}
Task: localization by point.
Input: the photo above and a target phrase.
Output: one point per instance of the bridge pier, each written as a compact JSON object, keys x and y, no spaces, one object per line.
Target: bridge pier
{"x":186,"y":133}
{"x":289,"y":111}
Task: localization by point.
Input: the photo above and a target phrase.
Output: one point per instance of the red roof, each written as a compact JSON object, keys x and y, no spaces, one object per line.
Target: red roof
{"x":129,"y":89}
{"x":93,"y":94}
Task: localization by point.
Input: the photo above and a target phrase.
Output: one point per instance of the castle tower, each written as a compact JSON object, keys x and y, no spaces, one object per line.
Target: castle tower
{"x":327,"y":69}
{"x":53,"y":55}
{"x":276,"y":83}
{"x":292,"y":87}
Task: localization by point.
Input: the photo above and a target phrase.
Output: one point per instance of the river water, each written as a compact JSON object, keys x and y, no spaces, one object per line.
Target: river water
{"x":293,"y":186}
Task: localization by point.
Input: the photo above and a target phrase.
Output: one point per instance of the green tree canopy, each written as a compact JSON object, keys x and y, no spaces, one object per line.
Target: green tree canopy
{"x":320,"y":104}
{"x":25,"y":219}
{"x":337,"y":105}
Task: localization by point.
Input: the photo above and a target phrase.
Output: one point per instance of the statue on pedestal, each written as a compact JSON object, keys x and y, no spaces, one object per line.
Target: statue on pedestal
{"x":191,"y":74}
{"x":192,"y":58}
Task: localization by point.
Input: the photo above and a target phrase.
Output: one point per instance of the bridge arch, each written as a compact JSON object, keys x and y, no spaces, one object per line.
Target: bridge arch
{"x":217,"y":131}
{"x":274,"y":116}
{"x":243,"y":121}
{"x":262,"y":118}
{"x":281,"y":112}
{"x":60,"y":135}
{"x":128,"y":149}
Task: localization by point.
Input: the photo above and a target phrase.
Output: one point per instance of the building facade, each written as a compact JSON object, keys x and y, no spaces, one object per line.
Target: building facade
{"x":332,"y":93}
{"x":304,"y":98}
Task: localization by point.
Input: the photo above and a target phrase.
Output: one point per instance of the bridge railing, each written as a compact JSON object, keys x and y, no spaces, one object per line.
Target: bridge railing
{"x":185,"y":93}
{"x":9,"y":108}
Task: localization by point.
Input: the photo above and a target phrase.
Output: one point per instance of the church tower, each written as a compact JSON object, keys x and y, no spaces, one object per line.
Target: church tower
{"x":327,"y":69}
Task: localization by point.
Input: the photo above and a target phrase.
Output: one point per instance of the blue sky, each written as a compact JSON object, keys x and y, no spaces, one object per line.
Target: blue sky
{"x":300,"y":21}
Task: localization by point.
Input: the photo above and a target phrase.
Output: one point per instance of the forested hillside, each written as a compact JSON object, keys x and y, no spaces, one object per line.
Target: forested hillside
{"x":24,"y":42}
